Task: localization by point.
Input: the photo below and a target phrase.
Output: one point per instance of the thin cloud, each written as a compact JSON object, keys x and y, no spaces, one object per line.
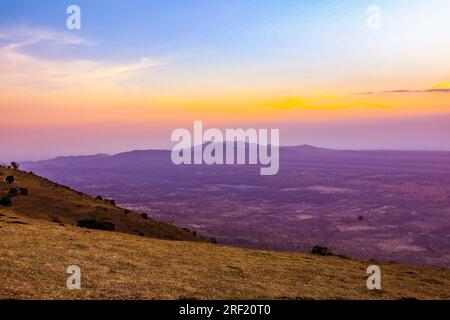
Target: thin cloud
{"x":21,"y":68}
{"x":319,"y":103}
{"x":26,"y":36}
{"x":416,"y":91}
{"x":438,"y":88}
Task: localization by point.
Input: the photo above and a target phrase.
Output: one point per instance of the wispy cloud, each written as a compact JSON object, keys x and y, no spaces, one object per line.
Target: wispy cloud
{"x":442,"y":87}
{"x":18,"y":67}
{"x":417,"y":91}
{"x":320,"y":103}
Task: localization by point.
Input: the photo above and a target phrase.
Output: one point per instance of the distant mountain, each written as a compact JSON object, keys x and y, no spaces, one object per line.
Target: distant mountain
{"x":305,"y":157}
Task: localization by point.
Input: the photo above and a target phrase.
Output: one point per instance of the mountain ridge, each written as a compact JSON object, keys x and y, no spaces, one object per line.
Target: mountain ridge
{"x":302,"y":148}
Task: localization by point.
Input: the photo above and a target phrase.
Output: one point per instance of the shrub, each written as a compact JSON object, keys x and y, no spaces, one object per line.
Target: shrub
{"x":126,"y":211}
{"x":10,"y":179}
{"x":95,"y":224}
{"x":13,"y":192}
{"x":23,"y":191}
{"x":112,"y":202}
{"x":144,"y":216}
{"x":5,"y":201}
{"x":99,"y":197}
{"x":321,"y":251}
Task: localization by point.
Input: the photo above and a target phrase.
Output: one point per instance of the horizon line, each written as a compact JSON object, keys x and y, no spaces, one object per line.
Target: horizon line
{"x":3,"y":162}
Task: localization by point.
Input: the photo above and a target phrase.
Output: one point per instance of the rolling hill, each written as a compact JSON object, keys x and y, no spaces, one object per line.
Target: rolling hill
{"x":51,"y":201}
{"x":40,"y":239}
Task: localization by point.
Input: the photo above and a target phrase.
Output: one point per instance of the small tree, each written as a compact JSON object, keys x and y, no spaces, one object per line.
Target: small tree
{"x":15,"y":165}
{"x":10,"y":179}
{"x":144,"y":216}
{"x":99,"y":197}
{"x":5,"y":201}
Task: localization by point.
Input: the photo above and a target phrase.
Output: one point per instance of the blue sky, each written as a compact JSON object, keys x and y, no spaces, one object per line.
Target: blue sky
{"x":129,"y":28}
{"x":229,"y":32}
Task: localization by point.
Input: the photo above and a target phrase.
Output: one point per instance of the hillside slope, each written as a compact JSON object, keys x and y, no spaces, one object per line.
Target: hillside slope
{"x":39,"y":241}
{"x":62,"y":205}
{"x":36,"y":253}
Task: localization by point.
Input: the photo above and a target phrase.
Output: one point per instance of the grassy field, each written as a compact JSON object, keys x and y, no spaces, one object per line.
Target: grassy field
{"x":35,"y":252}
{"x":35,"y":255}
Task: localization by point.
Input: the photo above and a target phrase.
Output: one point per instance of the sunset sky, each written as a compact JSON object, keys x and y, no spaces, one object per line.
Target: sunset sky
{"x":139,"y":69}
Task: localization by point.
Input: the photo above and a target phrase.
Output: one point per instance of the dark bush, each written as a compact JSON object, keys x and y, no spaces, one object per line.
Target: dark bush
{"x":321,"y":251}
{"x":144,"y":216}
{"x":126,"y":211}
{"x":98,"y":225}
{"x":112,"y":202}
{"x":99,"y":197}
{"x":13,"y":192}
{"x":10,"y":179}
{"x":5,"y":201}
{"x":23,"y":191}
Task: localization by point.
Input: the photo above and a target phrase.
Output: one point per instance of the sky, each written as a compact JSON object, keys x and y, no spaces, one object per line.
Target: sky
{"x":320,"y":71}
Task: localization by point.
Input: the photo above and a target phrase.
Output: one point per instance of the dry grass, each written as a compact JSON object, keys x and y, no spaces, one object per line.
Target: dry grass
{"x":34,"y":257}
